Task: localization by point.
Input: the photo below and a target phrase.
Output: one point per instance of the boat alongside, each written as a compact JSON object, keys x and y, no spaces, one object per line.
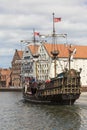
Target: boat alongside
{"x":63,"y":89}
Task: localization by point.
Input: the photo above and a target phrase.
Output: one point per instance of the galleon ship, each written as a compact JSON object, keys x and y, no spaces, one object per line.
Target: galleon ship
{"x":62,"y":89}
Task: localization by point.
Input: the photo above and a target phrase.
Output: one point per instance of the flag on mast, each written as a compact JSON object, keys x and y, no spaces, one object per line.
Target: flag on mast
{"x":36,"y":34}
{"x":57,"y":19}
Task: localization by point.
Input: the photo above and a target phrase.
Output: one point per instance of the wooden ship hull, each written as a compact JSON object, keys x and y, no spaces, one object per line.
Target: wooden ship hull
{"x":56,"y":99}
{"x":62,"y":90}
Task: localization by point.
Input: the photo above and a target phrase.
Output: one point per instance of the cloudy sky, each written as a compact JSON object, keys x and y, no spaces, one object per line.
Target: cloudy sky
{"x":19,"y":17}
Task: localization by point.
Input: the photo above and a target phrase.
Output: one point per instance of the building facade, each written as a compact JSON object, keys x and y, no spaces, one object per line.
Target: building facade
{"x":16,"y":68}
{"x":5,"y":78}
{"x":45,"y":64}
{"x":29,"y":62}
{"x":78,"y":60}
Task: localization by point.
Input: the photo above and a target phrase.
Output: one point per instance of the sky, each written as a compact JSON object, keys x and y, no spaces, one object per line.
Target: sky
{"x":18,"y":18}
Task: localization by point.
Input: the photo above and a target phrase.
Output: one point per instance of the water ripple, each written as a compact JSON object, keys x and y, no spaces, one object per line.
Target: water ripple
{"x":18,"y":115}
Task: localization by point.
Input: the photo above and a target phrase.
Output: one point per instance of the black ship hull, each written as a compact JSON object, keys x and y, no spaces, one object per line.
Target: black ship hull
{"x":59,"y":99}
{"x":62,"y":90}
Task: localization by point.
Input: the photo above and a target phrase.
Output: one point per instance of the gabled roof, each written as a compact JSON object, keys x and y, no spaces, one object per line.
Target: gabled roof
{"x":5,"y":71}
{"x":81,"y":51}
{"x":20,"y":53}
{"x":63,"y":50}
{"x":33,"y":48}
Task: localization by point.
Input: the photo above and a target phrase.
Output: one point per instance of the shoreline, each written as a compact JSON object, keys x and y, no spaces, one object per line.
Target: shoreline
{"x":14,"y":89}
{"x":19,"y":89}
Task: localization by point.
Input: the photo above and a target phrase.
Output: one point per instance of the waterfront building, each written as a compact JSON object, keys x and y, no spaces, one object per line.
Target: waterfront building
{"x":28,"y":64}
{"x":16,"y":68}
{"x":78,"y":59}
{"x":5,"y":77}
{"x":45,"y":64}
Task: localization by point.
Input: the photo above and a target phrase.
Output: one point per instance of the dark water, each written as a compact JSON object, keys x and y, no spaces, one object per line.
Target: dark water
{"x":17,"y":115}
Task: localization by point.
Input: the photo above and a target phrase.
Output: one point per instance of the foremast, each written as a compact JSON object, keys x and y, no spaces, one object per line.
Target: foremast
{"x":35,"y":54}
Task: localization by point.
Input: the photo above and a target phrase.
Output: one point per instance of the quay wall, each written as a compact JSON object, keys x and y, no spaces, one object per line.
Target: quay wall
{"x":3,"y":89}
{"x":19,"y":89}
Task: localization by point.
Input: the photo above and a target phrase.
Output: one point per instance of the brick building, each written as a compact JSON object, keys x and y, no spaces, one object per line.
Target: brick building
{"x":5,"y":77}
{"x":16,"y":68}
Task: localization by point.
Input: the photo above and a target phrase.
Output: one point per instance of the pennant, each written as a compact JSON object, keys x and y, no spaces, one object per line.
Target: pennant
{"x":57,"y":19}
{"x":36,"y":33}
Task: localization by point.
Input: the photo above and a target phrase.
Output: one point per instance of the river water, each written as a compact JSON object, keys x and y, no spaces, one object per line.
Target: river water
{"x":15,"y":114}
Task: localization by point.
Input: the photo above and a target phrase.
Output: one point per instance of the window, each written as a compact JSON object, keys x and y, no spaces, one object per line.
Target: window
{"x":26,"y":51}
{"x":27,"y":57}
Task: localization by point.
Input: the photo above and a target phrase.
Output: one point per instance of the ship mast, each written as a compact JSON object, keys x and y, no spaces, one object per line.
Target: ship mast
{"x":53,"y":30}
{"x":34,"y":40}
{"x":35,"y":55}
{"x":71,"y":53}
{"x":69,"y":58}
{"x":54,"y":52}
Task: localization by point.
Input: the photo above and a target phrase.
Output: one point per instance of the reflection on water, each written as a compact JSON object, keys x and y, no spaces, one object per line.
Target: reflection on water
{"x":18,"y":115}
{"x":57,"y":117}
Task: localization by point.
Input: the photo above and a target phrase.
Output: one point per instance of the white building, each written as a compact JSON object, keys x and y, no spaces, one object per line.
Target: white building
{"x":28,"y":63}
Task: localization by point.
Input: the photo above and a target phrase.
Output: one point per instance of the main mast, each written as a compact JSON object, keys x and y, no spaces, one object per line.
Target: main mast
{"x":54,"y":52}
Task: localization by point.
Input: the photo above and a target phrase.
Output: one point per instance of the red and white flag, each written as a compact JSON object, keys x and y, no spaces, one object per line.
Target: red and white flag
{"x":57,"y":19}
{"x":36,"y":33}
